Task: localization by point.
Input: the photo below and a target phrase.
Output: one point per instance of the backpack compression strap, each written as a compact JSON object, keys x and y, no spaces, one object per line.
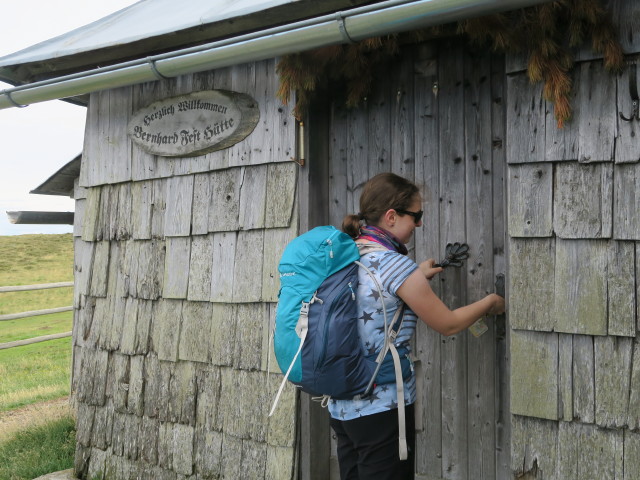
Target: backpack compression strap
{"x":389,"y":345}
{"x":301,"y":329}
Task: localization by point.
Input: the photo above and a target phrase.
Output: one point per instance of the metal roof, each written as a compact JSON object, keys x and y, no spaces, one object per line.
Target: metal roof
{"x":155,"y":26}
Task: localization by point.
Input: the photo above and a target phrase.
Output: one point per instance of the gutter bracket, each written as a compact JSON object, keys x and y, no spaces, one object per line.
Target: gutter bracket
{"x":154,"y":69}
{"x":19,"y":105}
{"x":343,"y":28}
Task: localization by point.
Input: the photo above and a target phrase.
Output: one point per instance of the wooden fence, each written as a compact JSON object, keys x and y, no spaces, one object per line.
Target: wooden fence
{"x":33,"y":313}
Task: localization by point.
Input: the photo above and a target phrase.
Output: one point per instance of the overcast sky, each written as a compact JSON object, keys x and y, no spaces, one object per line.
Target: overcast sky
{"x":37,"y":140}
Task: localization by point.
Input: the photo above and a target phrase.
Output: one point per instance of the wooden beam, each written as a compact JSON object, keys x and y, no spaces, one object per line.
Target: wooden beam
{"x":33,"y":313}
{"x":41,"y":218}
{"x":41,"y":286}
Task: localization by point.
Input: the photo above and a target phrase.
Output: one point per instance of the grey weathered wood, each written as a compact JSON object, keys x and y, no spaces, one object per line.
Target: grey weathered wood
{"x":92,"y":208}
{"x":268,"y":362}
{"x":141,"y":208}
{"x":176,"y":268}
{"x":124,"y":229}
{"x":479,"y":210}
{"x":195,"y":335}
{"x":275,"y":240}
{"x":621,"y":294}
{"x":115,"y":144}
{"x":500,"y":265}
{"x":534,"y":374}
{"x":253,"y":198}
{"x":250,"y":321}
{"x":561,"y":143}
{"x":534,"y":447}
{"x":225,"y":200}
{"x":143,"y":165}
{"x":243,"y":79}
{"x":223,"y":334}
{"x":401,"y":113}
{"x":183,"y":449}
{"x":280,"y":194}
{"x":631,"y":453}
{"x":179,"y":204}
{"x":582,"y":200}
{"x":150,"y":272}
{"x":337,"y":168}
{"x":627,"y":149}
{"x":181,"y":402}
{"x":452,"y":217}
{"x":280,"y":462}
{"x":247,"y":267}
{"x":282,"y":424}
{"x":626,"y":202}
{"x":78,"y":217}
{"x":530,"y":200}
{"x":612,"y":375}
{"x":126,"y":333}
{"x":583,"y":379}
{"x":136,"y":386}
{"x":200,"y":268}
{"x":358,"y":155}
{"x":428,"y":342}
{"x":158,"y":208}
{"x":581,"y":286}
{"x":625,"y":18}
{"x":565,"y":377}
{"x":167,"y":325}
{"x":592,"y":452}
{"x":525,"y":120}
{"x":597,"y":123}
{"x":79,"y":193}
{"x":201,"y":202}
{"x":99,"y":270}
{"x":379,"y":107}
{"x":222,"y":271}
{"x":633,"y":420}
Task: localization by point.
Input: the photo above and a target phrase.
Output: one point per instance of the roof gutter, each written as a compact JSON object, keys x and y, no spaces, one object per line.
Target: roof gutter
{"x":342,"y":27}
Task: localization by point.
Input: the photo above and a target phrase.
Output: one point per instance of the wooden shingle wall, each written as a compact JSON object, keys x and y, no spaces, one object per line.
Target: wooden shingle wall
{"x":574,"y":265}
{"x":176,"y":284}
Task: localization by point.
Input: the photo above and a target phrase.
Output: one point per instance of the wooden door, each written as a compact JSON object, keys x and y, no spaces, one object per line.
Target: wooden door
{"x":437,"y":117}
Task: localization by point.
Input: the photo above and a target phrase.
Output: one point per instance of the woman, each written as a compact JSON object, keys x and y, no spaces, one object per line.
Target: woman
{"x":367,"y":429}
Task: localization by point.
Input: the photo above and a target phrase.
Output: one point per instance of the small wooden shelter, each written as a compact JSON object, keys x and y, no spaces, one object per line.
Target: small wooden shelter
{"x":176,"y":256}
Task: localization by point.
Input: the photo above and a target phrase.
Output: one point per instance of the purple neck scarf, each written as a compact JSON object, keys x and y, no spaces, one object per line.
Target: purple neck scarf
{"x":384,"y":238}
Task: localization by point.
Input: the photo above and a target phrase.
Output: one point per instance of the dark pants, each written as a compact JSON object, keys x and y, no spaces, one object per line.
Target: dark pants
{"x":368,"y":447}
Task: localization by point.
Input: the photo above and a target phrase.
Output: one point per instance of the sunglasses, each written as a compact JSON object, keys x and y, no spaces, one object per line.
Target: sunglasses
{"x":417,"y":216}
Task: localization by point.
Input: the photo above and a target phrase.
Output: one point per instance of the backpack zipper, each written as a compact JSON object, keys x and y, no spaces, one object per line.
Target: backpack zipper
{"x":330,"y":243}
{"x":337,"y":300}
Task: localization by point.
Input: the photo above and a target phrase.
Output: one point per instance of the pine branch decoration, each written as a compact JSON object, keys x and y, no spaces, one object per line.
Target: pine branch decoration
{"x":546,"y":33}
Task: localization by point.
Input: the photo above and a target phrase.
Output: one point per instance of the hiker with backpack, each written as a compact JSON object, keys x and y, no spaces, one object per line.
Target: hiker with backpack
{"x":391,"y":285}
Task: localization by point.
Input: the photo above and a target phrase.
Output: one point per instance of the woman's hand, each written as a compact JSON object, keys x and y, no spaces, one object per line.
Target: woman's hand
{"x":428,"y":270}
{"x":498,"y":304}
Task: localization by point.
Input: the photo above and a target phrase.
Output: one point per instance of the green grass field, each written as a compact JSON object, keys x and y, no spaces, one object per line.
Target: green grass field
{"x":34,"y":377}
{"x":38,"y":450}
{"x":41,"y":371}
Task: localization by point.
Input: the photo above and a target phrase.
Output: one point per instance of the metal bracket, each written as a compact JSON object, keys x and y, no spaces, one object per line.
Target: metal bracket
{"x":633,"y":92}
{"x":10,"y":98}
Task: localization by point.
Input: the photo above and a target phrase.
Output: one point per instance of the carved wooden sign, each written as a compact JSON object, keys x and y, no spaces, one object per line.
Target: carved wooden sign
{"x":194,"y":124}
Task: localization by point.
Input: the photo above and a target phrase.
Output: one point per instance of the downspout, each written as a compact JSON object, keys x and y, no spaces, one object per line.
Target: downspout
{"x":342,"y":27}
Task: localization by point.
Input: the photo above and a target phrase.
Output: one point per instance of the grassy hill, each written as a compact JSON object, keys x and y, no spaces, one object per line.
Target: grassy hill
{"x":38,"y":372}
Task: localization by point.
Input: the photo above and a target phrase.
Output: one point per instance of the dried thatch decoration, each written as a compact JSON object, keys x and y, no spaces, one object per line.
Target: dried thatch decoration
{"x":546,"y":33}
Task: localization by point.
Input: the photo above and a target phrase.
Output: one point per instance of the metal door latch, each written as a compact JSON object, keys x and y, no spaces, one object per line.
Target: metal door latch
{"x":633,"y":91}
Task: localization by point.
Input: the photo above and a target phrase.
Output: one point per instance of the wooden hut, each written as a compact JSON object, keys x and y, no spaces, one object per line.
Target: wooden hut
{"x":176,"y":255}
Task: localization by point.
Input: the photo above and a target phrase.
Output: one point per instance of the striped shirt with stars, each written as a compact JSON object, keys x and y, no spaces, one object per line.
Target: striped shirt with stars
{"x":391,"y":269}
